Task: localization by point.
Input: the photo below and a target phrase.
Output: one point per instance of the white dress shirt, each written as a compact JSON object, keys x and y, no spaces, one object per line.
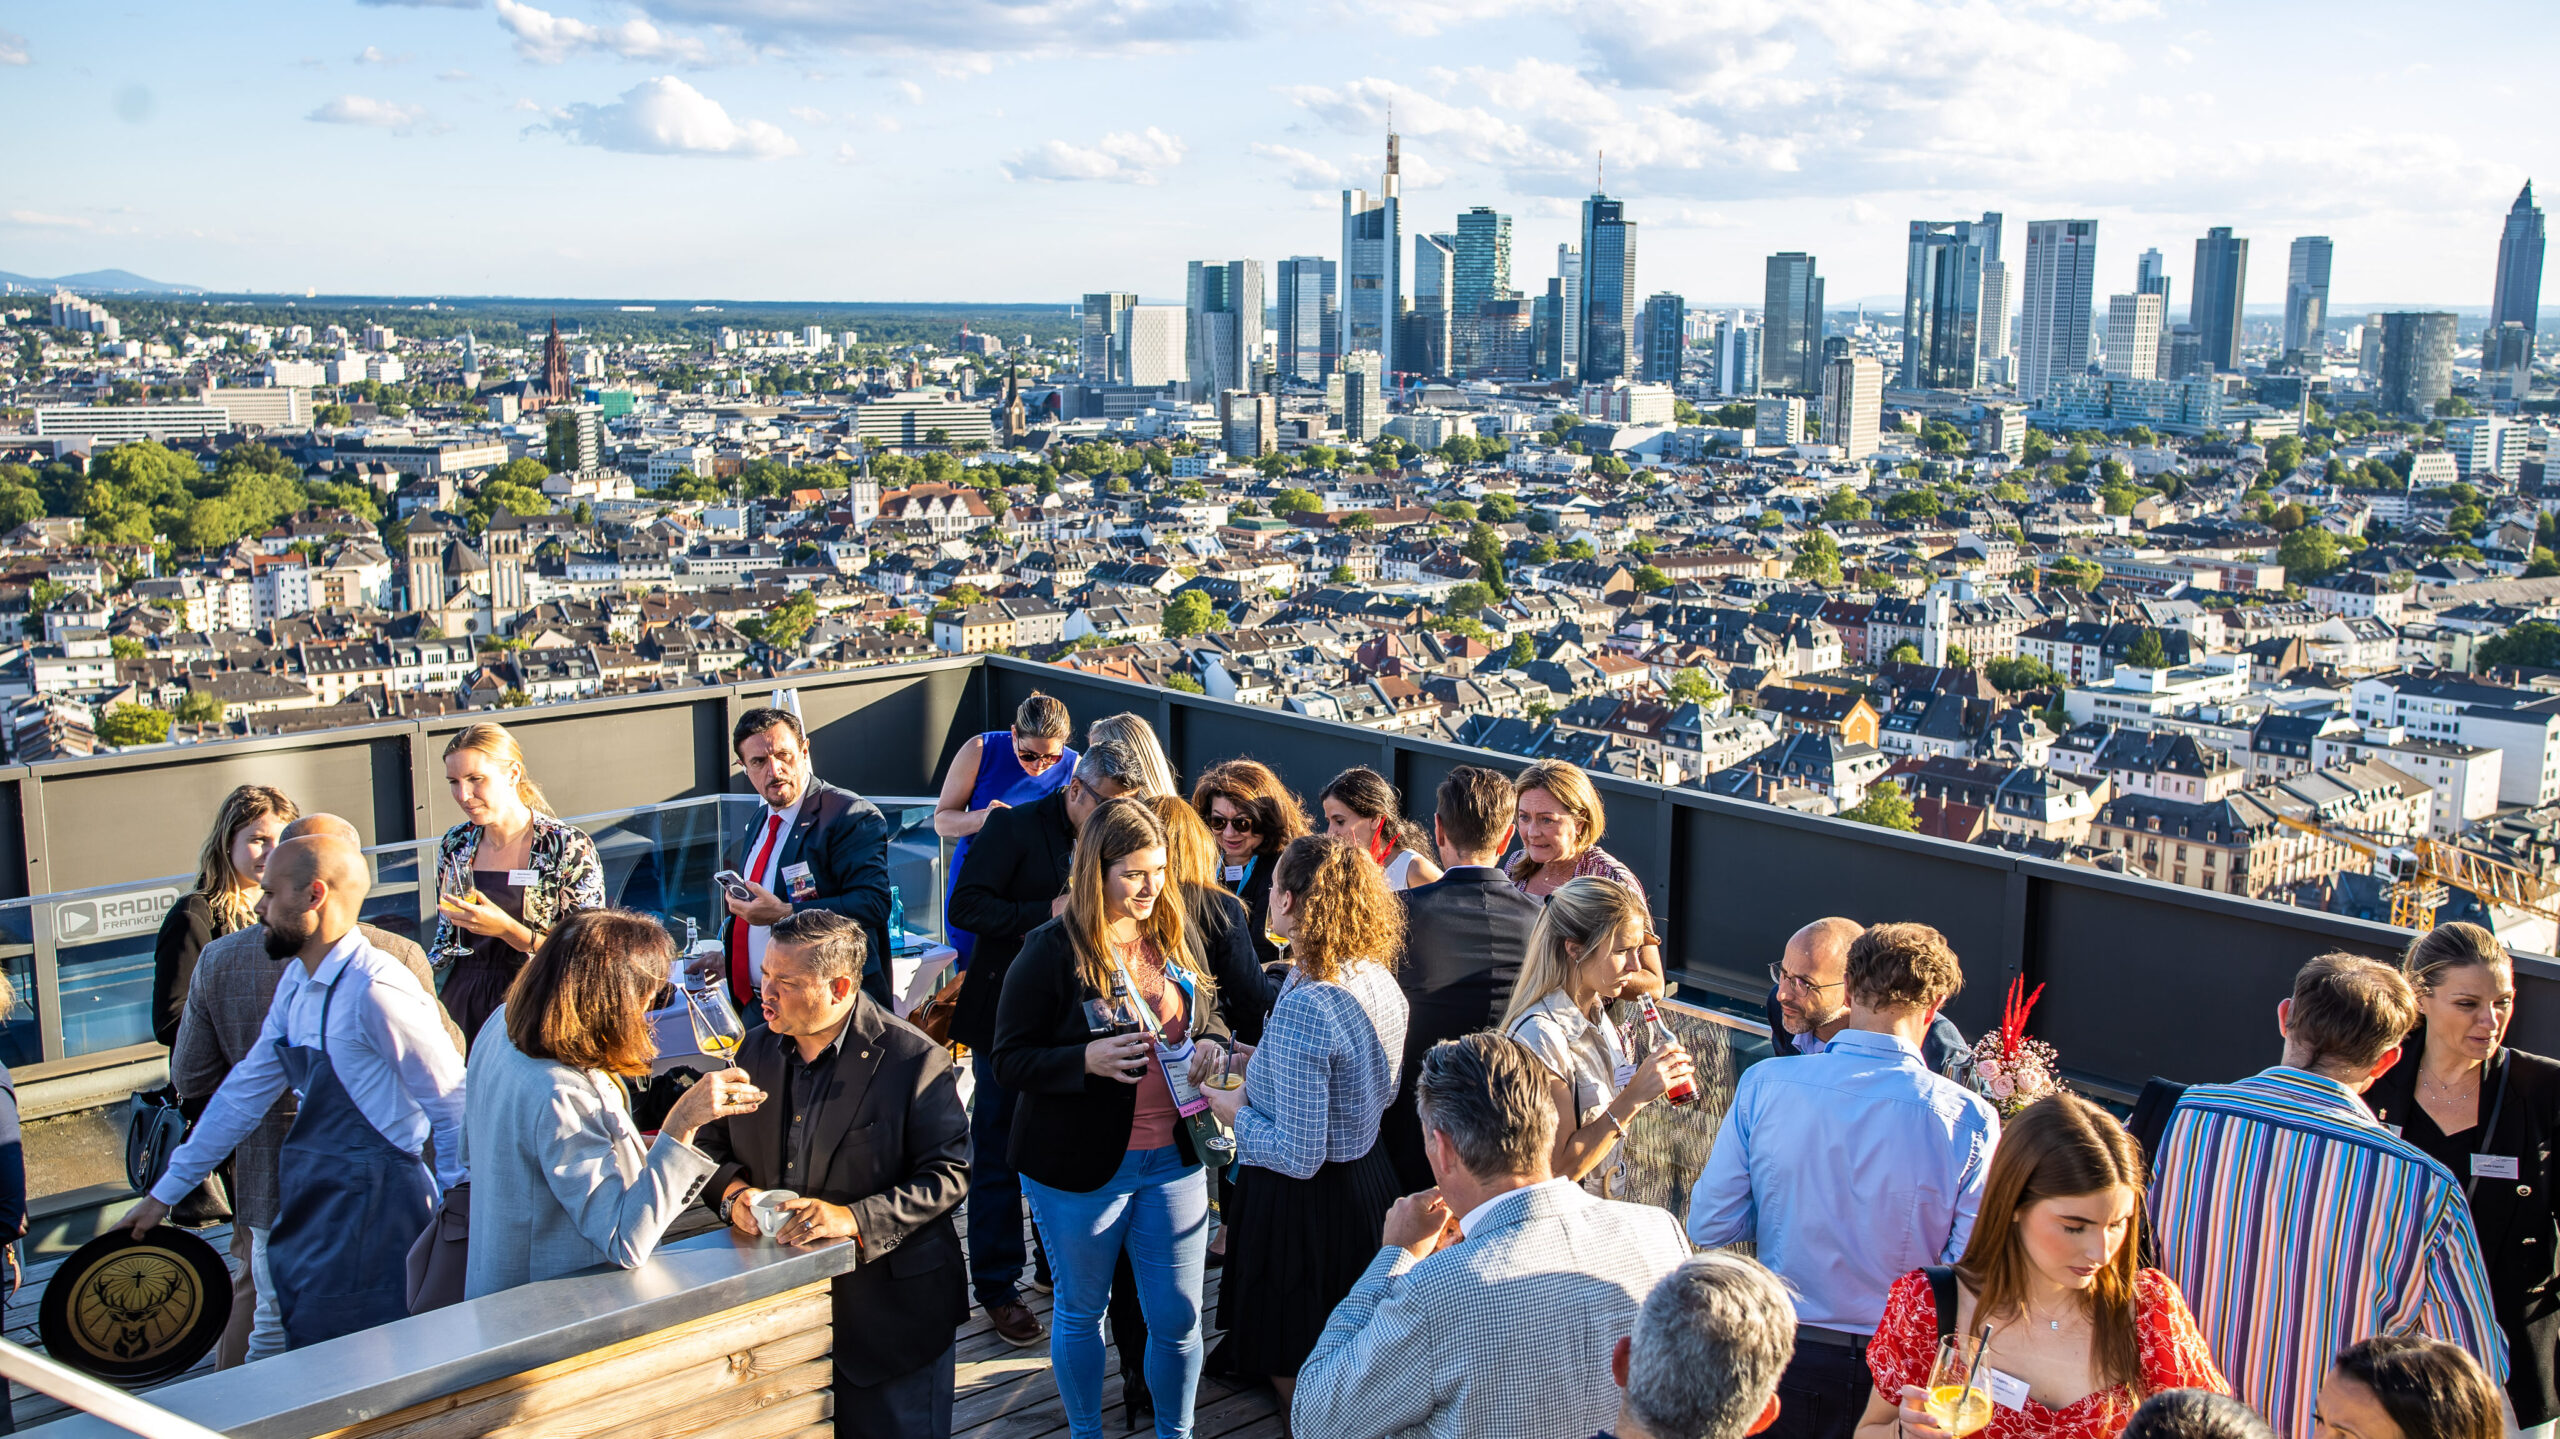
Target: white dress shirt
{"x":1474,"y":1219}
{"x":770,"y":877}
{"x":386,"y":1043}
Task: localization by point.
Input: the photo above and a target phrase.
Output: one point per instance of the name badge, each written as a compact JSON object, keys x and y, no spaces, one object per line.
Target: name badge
{"x":522,"y":878}
{"x":797,"y":879}
{"x":1233,"y":874}
{"x":2007,"y":1391}
{"x":1626,"y":1074}
{"x":2494,"y":1166}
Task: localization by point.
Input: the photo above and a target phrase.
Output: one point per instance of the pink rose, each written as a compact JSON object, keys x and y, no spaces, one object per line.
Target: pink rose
{"x":2001,"y":1086}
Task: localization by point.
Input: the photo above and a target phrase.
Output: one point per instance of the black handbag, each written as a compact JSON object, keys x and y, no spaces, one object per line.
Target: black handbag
{"x":156,"y":1123}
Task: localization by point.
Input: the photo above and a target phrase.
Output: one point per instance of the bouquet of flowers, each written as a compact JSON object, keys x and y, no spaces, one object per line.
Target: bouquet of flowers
{"x":2011,"y":1070}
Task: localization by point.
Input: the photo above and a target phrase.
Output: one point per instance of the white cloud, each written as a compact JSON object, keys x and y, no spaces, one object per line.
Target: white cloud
{"x":549,"y":39}
{"x":808,"y":115}
{"x":372,"y":55}
{"x":1302,"y":169}
{"x":42,"y":220}
{"x":388,"y":115}
{"x":13,"y":48}
{"x":847,"y":155}
{"x":1122,"y":157}
{"x":913,"y":91}
{"x":666,"y":116}
{"x":973,"y":29}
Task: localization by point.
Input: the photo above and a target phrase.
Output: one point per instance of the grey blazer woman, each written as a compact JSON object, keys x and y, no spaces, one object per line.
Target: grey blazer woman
{"x":559,"y":1169}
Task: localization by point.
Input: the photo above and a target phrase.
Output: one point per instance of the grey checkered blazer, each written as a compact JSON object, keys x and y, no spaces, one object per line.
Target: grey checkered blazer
{"x":1505,"y":1336}
{"x":227,"y":1003}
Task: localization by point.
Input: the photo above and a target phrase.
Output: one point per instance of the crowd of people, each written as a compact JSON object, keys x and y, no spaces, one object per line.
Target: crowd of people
{"x":1383,"y":1077}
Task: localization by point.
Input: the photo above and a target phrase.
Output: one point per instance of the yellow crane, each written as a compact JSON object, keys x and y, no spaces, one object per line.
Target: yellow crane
{"x":2420,"y":869}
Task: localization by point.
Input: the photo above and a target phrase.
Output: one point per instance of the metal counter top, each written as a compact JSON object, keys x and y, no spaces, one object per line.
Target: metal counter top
{"x":387,"y":1369}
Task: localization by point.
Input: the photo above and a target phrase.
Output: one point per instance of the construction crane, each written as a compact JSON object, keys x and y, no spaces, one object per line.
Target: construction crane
{"x":2420,"y":870}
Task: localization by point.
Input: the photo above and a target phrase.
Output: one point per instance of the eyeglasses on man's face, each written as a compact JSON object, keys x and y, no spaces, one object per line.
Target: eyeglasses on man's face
{"x":1786,"y":978}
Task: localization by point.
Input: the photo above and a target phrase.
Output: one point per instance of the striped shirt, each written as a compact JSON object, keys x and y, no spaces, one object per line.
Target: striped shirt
{"x":2296,"y":1225}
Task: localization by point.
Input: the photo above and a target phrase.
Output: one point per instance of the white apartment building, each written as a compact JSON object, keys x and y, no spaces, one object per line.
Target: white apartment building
{"x":2522,"y":723}
{"x":2463,"y":776}
{"x":2134,"y":694}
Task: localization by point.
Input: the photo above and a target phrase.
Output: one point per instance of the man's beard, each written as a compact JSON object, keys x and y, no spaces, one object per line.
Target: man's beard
{"x":286,"y":937}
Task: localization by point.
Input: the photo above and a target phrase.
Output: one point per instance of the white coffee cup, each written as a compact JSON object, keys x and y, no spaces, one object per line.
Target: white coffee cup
{"x":768,"y":1210}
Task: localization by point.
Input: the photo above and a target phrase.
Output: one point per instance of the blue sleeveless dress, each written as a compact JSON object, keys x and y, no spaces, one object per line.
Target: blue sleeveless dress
{"x":1000,"y":777}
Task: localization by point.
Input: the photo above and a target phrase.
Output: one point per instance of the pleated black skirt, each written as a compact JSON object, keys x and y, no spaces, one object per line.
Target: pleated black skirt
{"x":1294,"y":1249}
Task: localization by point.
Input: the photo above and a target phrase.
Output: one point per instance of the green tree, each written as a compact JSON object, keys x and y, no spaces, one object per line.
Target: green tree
{"x":1905,"y":653}
{"x":1175,"y":680}
{"x":1501,"y":509}
{"x":1580,"y":550}
{"x":199,"y":707}
{"x":1460,"y":450}
{"x":1469,"y":598}
{"x":787,"y":623}
{"x":1342,"y":575}
{"x":2084,"y":573}
{"x":2147,"y":651}
{"x":2309,"y":552}
{"x":1692,"y":687}
{"x":2284,"y":454}
{"x":1912,"y":505}
{"x":2535,"y":644}
{"x":1817,"y":559}
{"x":133,"y":724}
{"x":2014,"y":673}
{"x":1295,"y":502}
{"x":1845,"y":504}
{"x":1885,"y":807}
{"x":1458,"y":510}
{"x":1650,"y":580}
{"x":1484,"y":546}
{"x":125,"y":647}
{"x":1524,"y":649}
{"x":1190,"y":613}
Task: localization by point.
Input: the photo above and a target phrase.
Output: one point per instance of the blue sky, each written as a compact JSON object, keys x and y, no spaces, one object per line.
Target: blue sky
{"x":1034,"y":149}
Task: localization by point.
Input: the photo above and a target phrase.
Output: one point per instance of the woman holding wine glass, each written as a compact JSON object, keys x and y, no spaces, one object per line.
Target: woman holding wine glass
{"x":504,"y":876}
{"x":2078,"y":1333}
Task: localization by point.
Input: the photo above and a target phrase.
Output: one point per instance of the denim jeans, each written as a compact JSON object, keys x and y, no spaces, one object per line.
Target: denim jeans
{"x":266,"y":1328}
{"x":995,"y":1194}
{"x":1159,"y":1208}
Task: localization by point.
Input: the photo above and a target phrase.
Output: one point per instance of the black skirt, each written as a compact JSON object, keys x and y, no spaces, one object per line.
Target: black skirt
{"x":1294,"y":1249}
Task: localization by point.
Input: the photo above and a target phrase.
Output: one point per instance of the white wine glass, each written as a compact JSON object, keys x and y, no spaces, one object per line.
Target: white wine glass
{"x":717,"y":1030}
{"x":1959,"y":1388}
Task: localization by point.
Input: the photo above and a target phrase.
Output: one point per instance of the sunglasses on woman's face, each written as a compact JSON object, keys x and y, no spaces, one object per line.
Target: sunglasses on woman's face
{"x":1034,"y":760}
{"x":1241,"y":824}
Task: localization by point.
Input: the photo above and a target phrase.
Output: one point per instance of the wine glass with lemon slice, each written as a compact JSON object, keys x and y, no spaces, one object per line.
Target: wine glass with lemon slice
{"x":717,"y":1030}
{"x":1959,"y":1388}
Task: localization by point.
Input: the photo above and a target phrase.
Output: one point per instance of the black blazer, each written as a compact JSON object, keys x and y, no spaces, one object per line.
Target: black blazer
{"x":1016,"y":866}
{"x":844,"y":839}
{"x":2514,"y":1217}
{"x":1070,"y":1128}
{"x":1944,"y":1051}
{"x":1245,"y":991}
{"x":889,"y":1141}
{"x":1256,"y":895}
{"x":1464,"y":936}
{"x":183,"y":935}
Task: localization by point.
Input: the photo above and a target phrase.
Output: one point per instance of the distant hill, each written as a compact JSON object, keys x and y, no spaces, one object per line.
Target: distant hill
{"x":113,"y":282}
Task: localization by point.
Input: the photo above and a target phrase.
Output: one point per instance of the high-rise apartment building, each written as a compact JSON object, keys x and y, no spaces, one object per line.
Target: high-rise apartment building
{"x":1249,"y":424}
{"x":1373,"y":263}
{"x":2221,"y":287}
{"x":1364,"y":409}
{"x":1223,"y":301}
{"x":2417,"y":361}
{"x":1102,"y":350}
{"x":1483,"y":263}
{"x":1666,"y":324}
{"x":2054,"y":298}
{"x":2133,"y":336}
{"x":1852,"y":404}
{"x":1608,"y":288}
{"x":1431,"y":326}
{"x":1309,"y":348}
{"x":1791,"y":326}
{"x":2306,"y":300}
{"x":1942,"y":306}
{"x":1159,"y":352}
{"x":1737,"y":357}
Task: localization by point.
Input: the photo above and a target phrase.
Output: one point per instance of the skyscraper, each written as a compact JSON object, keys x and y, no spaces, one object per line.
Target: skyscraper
{"x":1364,"y":410}
{"x":1431,"y":326}
{"x":1737,"y":357}
{"x":1102,"y":351}
{"x":1223,"y":300}
{"x":2222,"y":282}
{"x":2417,"y":361}
{"x":1373,"y":264}
{"x":1942,"y":306}
{"x":1157,"y":353}
{"x":2054,"y":298}
{"x":2306,"y":300}
{"x":1569,"y":290}
{"x":1852,"y":404}
{"x":1666,"y":322}
{"x":1999,"y":299}
{"x":1608,"y":288}
{"x":1309,"y":348}
{"x":2133,"y":336}
{"x":1483,"y":273}
{"x":1791,"y":326}
{"x":2151,"y":277}
{"x":2519,"y":291}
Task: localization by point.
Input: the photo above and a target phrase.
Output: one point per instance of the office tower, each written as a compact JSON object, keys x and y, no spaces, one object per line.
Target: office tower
{"x":1852,"y":404}
{"x":2151,"y":277}
{"x":1364,"y":410}
{"x":1224,"y":307}
{"x":1666,"y":322}
{"x":2417,"y":361}
{"x":1308,"y":346}
{"x":1791,"y":325}
{"x":1942,"y":306}
{"x":2506,"y":360}
{"x":1373,"y":264}
{"x":2306,"y":300}
{"x":1548,"y":325}
{"x":1608,"y":288}
{"x":1569,"y":274}
{"x":2518,"y":297}
{"x":2053,"y":303}
{"x":1158,"y":352}
{"x":1103,"y":351}
{"x":2182,"y":353}
{"x":1999,"y":299}
{"x":1249,"y":424}
{"x":1507,"y":332}
{"x":2222,"y":280}
{"x":1431,"y":327}
{"x":1737,"y":357}
{"x":1483,"y":264}
{"x":2133,"y":336}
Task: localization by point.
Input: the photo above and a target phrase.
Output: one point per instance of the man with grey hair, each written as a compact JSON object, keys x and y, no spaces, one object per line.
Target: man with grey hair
{"x":1431,"y":1339}
{"x":1706,"y":1355}
{"x":869,"y":1134}
{"x":1013,"y":882}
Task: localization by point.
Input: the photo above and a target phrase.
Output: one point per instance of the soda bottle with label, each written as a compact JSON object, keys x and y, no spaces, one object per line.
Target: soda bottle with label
{"x":1683,"y":1091}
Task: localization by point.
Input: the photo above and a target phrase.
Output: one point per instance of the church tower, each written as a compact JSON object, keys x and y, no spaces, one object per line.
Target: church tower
{"x":425,"y":555}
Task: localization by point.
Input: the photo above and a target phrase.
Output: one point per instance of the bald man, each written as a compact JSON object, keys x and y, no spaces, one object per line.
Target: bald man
{"x":379,"y":1086}
{"x":226,"y":1009}
{"x":1811,"y":1001}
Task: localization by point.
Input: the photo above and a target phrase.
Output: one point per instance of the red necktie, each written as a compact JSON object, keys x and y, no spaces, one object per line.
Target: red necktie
{"x":741,"y":986}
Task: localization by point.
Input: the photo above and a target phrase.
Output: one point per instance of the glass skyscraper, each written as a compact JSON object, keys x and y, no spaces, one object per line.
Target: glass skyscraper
{"x":2306,"y":299}
{"x":2221,"y":286}
{"x":2054,"y":295}
{"x":1942,"y":306}
{"x":1608,"y":288}
{"x":1373,"y":266}
{"x":1309,"y":348}
{"x":1483,"y":273}
{"x":1791,"y":326}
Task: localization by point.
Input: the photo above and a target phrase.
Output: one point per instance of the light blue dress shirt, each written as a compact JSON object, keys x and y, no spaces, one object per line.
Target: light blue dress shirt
{"x":1850,"y":1168}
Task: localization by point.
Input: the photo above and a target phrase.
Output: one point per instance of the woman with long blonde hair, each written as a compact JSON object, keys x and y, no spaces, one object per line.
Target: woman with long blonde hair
{"x":1215,"y":919}
{"x":505,"y":875}
{"x":1093,"y":1038}
{"x":2051,"y":1271}
{"x":228,"y":870}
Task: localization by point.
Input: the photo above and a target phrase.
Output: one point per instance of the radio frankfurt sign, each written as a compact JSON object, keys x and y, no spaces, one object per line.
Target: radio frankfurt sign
{"x":86,"y":921}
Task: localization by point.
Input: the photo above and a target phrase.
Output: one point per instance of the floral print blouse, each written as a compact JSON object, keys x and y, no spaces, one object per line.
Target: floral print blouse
{"x":567,"y":876}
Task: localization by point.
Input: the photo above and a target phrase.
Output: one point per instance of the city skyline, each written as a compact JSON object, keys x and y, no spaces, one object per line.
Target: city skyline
{"x":731,"y":150}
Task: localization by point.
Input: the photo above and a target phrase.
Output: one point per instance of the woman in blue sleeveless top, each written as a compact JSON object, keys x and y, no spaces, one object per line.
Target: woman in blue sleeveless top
{"x":999,"y":768}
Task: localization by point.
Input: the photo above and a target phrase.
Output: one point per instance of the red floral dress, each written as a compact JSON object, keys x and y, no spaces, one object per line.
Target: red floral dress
{"x":2173,"y":1357}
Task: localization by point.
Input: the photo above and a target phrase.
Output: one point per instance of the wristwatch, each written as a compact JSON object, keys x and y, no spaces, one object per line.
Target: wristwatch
{"x":729,"y":1202}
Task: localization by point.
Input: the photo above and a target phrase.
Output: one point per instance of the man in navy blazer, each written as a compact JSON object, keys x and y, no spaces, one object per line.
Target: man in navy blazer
{"x":812,"y":846}
{"x":1811,"y":1001}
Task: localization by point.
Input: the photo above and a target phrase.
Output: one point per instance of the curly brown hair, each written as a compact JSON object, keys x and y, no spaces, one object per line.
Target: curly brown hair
{"x":1893,"y":966}
{"x":1250,"y":785}
{"x":1345,"y":913}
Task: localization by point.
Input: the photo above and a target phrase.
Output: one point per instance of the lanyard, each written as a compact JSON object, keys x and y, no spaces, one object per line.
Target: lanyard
{"x":1244,"y":875}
